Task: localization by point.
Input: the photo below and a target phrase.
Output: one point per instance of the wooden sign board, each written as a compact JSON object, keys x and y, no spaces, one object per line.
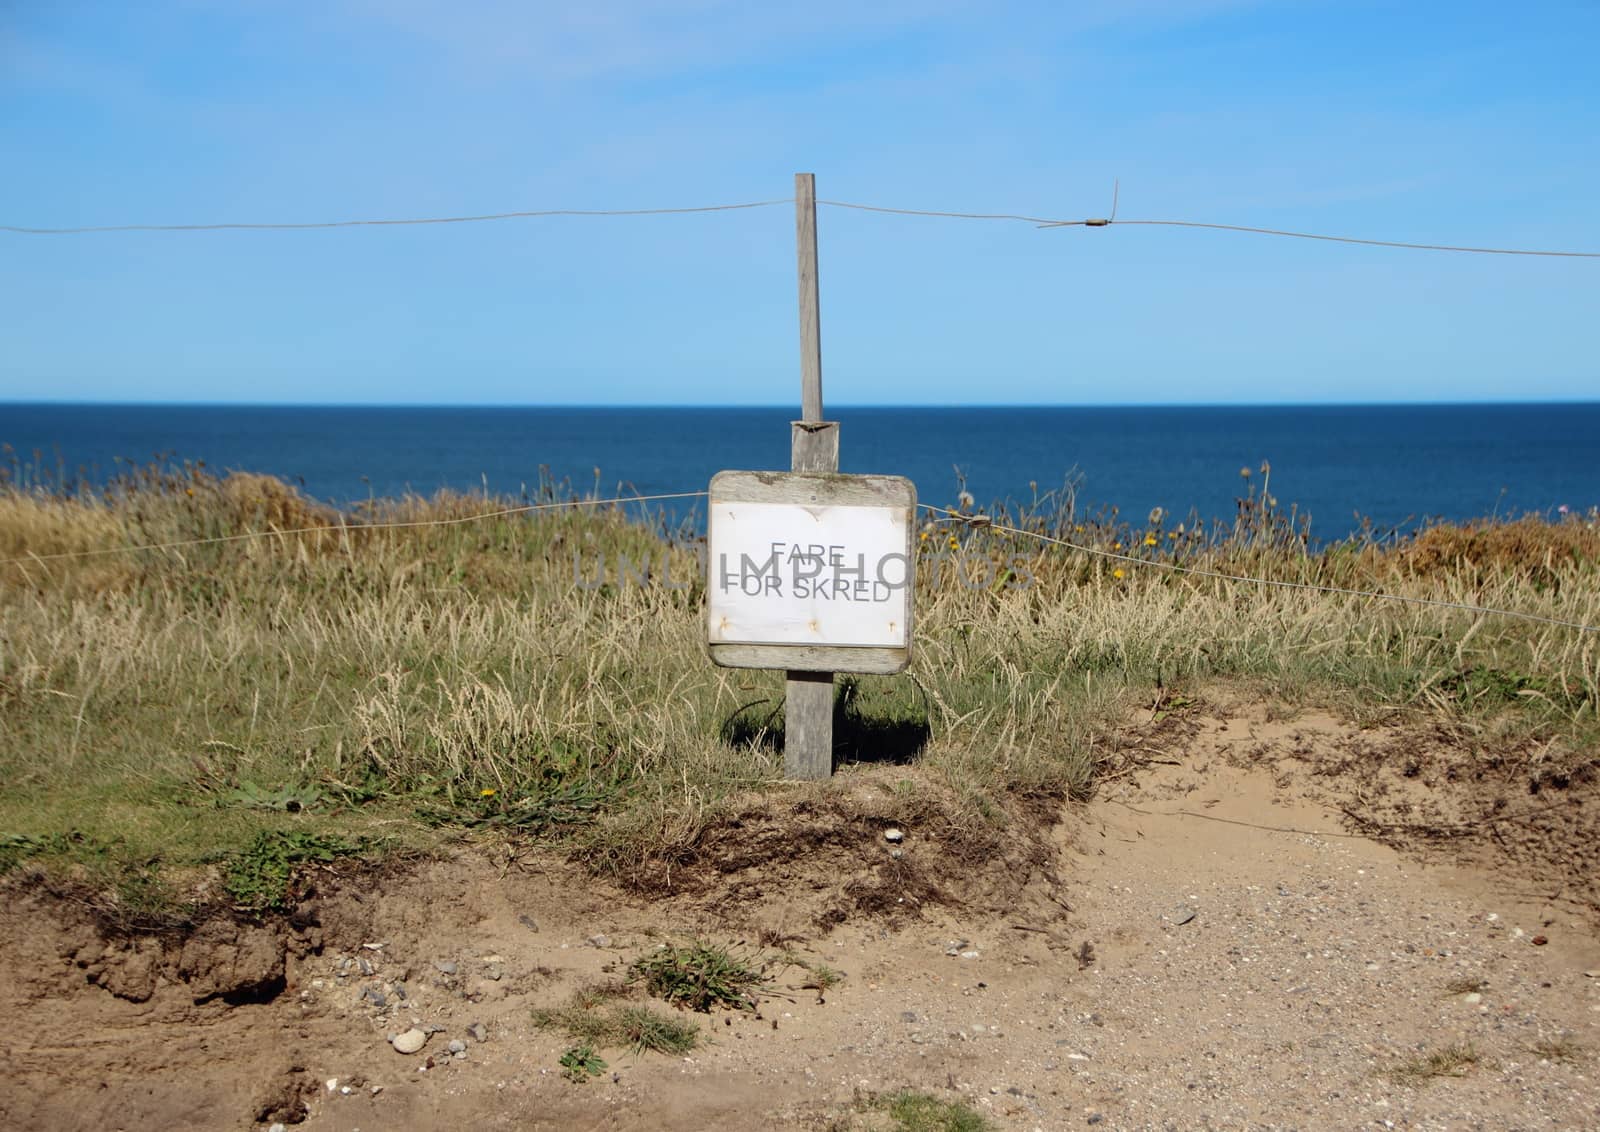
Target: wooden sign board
{"x":811,"y":572}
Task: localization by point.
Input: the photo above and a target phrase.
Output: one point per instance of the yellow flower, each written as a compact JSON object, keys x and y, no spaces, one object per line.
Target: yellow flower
{"x":1150,"y":539}
{"x":486,"y":793}
{"x":955,"y":543}
{"x":1079,"y":528}
{"x":1116,"y":546}
{"x":1172,"y":534}
{"x":1119,"y":573}
{"x":924,"y":536}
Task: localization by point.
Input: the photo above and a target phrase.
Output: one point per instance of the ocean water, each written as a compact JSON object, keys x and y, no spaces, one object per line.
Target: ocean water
{"x":1395,"y":465}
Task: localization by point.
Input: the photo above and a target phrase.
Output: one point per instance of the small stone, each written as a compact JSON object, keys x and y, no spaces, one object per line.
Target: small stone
{"x":598,"y":940}
{"x":461,"y":1056}
{"x":908,"y":1016}
{"x":277,"y":1128}
{"x":1538,"y":941}
{"x":399,"y":991}
{"x":894,"y":836}
{"x":1095,"y":1118}
{"x":493,"y":974}
{"x":366,"y":966}
{"x":457,"y":1046}
{"x":332,"y":1084}
{"x":896,"y":854}
{"x":373,"y":946}
{"x":411,"y":1041}
{"x":345,"y":1090}
{"x":969,"y":955}
{"x":1472,"y":999}
{"x":1182,"y":914}
{"x":528,"y":922}
{"x":1593,"y":974}
{"x":376,"y":1089}
{"x":446,"y":967}
{"x":478,"y":1032}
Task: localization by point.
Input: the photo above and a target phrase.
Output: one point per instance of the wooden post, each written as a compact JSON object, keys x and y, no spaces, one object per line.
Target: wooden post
{"x":813,"y":447}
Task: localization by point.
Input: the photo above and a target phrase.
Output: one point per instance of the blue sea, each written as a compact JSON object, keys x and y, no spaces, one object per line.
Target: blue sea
{"x":1396,"y":465}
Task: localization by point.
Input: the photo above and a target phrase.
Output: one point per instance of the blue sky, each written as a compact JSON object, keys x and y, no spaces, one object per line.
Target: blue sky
{"x":1474,"y":123}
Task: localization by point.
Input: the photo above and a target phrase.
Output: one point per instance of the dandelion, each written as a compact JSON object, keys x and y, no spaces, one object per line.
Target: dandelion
{"x":965,"y":500}
{"x":955,"y":543}
{"x":1244,"y":473}
{"x":1151,"y":540}
{"x":486,"y":793}
{"x":1119,"y":573}
{"x":1156,"y":515}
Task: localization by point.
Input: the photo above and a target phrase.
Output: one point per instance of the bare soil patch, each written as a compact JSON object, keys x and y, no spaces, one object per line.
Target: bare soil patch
{"x":1262,"y":922}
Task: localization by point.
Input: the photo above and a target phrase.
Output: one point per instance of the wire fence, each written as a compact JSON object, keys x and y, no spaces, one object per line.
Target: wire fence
{"x":1036,"y":221}
{"x":939,"y":514}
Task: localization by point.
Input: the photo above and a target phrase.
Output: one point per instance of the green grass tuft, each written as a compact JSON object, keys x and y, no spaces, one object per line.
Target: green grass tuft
{"x":698,"y":977}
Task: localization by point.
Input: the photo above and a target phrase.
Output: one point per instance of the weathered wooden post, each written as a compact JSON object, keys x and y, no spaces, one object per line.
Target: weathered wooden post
{"x":810,"y":571}
{"x":813,"y":447}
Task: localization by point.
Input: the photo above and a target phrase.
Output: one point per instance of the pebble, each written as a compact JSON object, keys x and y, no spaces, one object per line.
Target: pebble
{"x":598,"y":940}
{"x":446,"y":967}
{"x":478,"y":1032}
{"x":1472,"y":998}
{"x":277,"y":1128}
{"x":894,"y":836}
{"x":366,"y":965}
{"x":1594,"y":974}
{"x":457,"y":1046}
{"x":1182,"y":914}
{"x":908,"y":1016}
{"x":410,"y":1041}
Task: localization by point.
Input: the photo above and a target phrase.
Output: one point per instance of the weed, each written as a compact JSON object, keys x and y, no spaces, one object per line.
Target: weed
{"x":698,"y":976}
{"x":818,"y":975}
{"x":594,"y":1017}
{"x":1451,"y":1061}
{"x":580,"y":1063}
{"x":923,"y":1112}
{"x":260,"y":877}
{"x":1466,"y":984}
{"x":1564,"y":1050}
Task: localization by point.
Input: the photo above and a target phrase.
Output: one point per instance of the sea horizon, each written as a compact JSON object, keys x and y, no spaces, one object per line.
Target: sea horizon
{"x":1387,"y":466}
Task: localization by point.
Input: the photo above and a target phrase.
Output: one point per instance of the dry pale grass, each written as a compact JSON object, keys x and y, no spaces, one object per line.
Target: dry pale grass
{"x":176,"y":701}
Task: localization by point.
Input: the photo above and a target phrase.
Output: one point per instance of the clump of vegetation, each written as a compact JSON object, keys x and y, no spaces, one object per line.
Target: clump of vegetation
{"x":923,"y":1112}
{"x":1564,"y":1050}
{"x":598,"y":1017}
{"x":818,"y":975}
{"x":580,"y":1063}
{"x":260,"y":878}
{"x":1466,"y":984}
{"x":1452,"y":1061}
{"x":699,"y":976}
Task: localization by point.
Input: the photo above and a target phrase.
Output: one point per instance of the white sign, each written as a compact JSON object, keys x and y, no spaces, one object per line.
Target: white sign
{"x":786,"y":574}
{"x":810,"y":571}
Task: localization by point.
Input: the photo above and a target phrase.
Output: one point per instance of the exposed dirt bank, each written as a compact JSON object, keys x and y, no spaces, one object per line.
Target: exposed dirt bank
{"x":1268,"y":924}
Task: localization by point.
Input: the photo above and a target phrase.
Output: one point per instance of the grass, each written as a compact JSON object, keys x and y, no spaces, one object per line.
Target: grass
{"x":1451,"y":1061}
{"x":923,"y":1112}
{"x":699,"y":976}
{"x":207,"y":706}
{"x":1563,"y":1050}
{"x":595,"y":1018}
